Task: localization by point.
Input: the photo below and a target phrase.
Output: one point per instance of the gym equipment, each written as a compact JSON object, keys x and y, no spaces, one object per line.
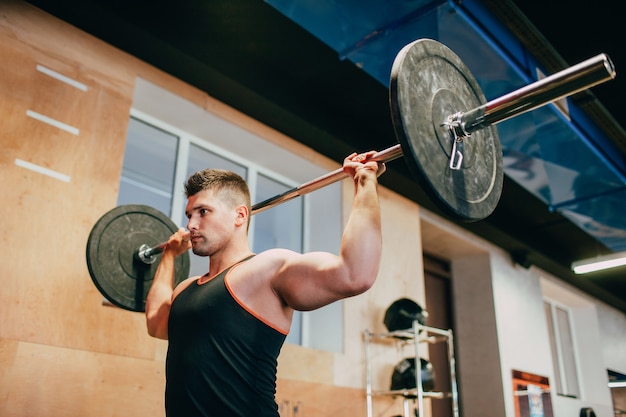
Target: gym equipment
{"x":113,"y":247}
{"x":404,"y":375}
{"x":401,"y":314}
{"x":447,"y":136}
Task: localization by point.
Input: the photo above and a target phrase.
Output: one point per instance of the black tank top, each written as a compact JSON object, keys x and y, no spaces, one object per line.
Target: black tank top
{"x":221,"y":359}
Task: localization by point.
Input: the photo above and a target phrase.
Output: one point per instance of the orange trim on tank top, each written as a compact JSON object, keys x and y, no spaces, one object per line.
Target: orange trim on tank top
{"x":206,"y":278}
{"x":248,"y":309}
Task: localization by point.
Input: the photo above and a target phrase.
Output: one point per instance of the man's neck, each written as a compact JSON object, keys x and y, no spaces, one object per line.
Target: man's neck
{"x":219,"y":262}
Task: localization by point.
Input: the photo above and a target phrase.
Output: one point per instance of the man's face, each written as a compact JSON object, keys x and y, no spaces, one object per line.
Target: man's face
{"x":210,"y":221}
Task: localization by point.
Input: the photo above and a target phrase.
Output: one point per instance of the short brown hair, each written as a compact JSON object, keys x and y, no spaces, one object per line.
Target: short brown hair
{"x":232,"y":188}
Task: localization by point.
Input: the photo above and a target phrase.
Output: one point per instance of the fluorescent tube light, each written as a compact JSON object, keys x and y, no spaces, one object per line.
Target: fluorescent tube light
{"x":600,"y":262}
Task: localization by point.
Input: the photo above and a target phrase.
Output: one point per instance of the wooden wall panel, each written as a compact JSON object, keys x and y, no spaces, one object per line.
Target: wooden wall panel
{"x":303,"y":399}
{"x":48,"y":296}
{"x":298,"y":363}
{"x":40,"y":380}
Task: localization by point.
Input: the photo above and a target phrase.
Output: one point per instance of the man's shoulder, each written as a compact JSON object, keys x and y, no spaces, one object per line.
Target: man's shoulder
{"x":275,"y":254}
{"x":281,"y":252}
{"x":182,"y":285}
{"x":266,"y":264}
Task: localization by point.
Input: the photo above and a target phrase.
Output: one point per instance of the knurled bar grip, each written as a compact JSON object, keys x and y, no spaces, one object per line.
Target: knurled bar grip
{"x":383,"y":156}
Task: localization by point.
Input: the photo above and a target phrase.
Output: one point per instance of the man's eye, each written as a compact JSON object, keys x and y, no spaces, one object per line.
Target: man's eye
{"x":203,"y":212}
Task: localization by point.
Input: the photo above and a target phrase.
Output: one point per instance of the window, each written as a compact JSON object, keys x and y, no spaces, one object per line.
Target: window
{"x":148,"y":170}
{"x":159,"y":157}
{"x":562,"y":346}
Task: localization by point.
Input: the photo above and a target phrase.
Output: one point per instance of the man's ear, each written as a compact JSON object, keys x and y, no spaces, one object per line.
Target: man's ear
{"x":242,"y":215}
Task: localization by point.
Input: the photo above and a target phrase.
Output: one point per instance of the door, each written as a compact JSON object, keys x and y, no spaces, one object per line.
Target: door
{"x":438,"y":305}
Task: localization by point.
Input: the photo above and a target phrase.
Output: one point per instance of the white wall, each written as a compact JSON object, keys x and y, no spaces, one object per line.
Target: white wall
{"x":521,"y":323}
{"x":499,"y":303}
{"x":600,"y":338}
{"x":612,"y":327}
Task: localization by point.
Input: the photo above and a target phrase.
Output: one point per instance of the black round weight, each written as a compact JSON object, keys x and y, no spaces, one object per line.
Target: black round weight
{"x":113,"y":242}
{"x":404,"y":376}
{"x":429,"y":82}
{"x":402,"y":313}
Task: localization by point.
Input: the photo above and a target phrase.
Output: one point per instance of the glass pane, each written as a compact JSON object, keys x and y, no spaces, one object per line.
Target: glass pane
{"x":149,"y":165}
{"x":200,"y":159}
{"x":279,"y":227}
{"x":567,"y":352}
{"x":323,"y":327}
{"x":555,"y":356}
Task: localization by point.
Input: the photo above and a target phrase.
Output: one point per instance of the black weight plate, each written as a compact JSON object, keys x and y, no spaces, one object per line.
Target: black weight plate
{"x":404,"y":375}
{"x":113,"y":242}
{"x":401,"y":314}
{"x":429,"y":82}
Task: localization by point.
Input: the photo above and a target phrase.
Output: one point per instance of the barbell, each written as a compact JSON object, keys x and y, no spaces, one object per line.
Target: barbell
{"x":454,"y":154}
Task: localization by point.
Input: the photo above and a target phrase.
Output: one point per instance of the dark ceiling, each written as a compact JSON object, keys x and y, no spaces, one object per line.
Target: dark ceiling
{"x":250,"y":56}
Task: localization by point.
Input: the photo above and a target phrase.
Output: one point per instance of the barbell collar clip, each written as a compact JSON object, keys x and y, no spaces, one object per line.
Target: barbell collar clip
{"x":147,"y":254}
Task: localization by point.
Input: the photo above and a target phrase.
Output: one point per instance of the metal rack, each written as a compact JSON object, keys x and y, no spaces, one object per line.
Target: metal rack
{"x":425,"y":334}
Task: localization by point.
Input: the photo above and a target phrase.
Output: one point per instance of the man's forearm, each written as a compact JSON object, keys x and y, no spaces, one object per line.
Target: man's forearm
{"x":159,"y":297}
{"x":362,"y":240}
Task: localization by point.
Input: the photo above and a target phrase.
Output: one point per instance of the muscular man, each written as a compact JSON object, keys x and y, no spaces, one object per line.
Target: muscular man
{"x":226,"y":328}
